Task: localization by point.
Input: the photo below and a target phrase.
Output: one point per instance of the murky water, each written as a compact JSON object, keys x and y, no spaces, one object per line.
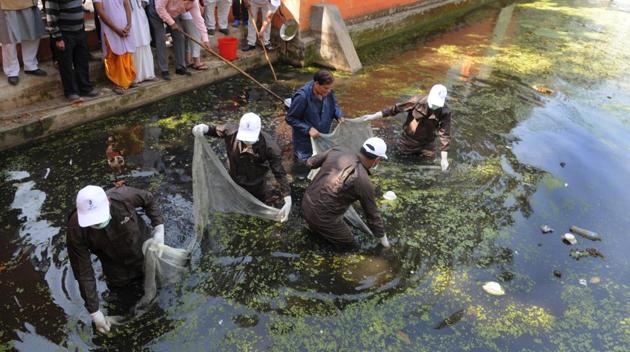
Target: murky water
{"x":541,"y":99}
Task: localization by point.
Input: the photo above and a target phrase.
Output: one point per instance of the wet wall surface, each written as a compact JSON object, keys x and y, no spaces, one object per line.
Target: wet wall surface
{"x":539,"y":93}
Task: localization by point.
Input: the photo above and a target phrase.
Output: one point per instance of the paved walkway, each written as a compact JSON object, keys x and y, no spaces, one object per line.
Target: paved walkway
{"x":36,"y":107}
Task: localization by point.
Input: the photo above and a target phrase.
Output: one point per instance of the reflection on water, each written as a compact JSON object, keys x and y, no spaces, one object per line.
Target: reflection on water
{"x":522,"y":157}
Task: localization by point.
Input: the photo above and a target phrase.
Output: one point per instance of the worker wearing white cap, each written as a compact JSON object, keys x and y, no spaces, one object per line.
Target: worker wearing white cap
{"x":343,"y":178}
{"x":427,"y":116}
{"x":252,"y":153}
{"x":106,"y":224}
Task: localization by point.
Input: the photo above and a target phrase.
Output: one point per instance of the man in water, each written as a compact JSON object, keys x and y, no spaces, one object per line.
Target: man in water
{"x":106,"y":224}
{"x":427,"y":116}
{"x":313,"y":107}
{"x":343,"y":178}
{"x":252,"y":154}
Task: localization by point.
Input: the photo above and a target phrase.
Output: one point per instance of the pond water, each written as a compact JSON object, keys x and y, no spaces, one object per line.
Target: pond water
{"x":541,"y":102}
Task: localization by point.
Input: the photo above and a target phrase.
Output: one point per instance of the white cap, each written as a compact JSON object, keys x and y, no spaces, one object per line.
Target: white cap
{"x":249,"y":128}
{"x":275,"y":3}
{"x":375,"y":146}
{"x":437,"y":95}
{"x":92,"y":206}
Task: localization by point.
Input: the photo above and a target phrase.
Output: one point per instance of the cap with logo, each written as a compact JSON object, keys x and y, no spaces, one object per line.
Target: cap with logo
{"x":249,"y":128}
{"x":375,"y":146}
{"x":437,"y":96}
{"x":92,"y":206}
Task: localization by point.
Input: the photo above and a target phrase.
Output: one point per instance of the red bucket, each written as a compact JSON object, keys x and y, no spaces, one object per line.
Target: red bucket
{"x":227,"y":47}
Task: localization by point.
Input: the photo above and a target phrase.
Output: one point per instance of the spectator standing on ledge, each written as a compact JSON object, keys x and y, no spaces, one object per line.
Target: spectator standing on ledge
{"x":143,"y":56}
{"x":118,"y":44}
{"x":66,"y":26}
{"x":222,"y":13}
{"x":20,"y":22}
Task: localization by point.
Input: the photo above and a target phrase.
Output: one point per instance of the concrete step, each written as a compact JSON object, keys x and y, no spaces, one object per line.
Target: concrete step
{"x":32,"y":93}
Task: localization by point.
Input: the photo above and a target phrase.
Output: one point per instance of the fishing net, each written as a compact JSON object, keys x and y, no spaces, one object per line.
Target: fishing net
{"x":162,"y":264}
{"x":350,"y":134}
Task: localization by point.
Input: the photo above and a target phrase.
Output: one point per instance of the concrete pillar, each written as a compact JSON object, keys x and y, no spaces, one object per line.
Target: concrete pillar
{"x":335,"y":47}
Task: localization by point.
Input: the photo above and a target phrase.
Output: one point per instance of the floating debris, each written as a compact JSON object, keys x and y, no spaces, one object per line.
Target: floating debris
{"x":451,"y":320}
{"x":389,"y":195}
{"x":583,"y":282}
{"x":563,"y":164}
{"x":403,"y":337}
{"x":595,"y":280}
{"x":557,"y":274}
{"x":493,"y":288}
{"x":593,"y":236}
{"x":47,"y":173}
{"x":543,"y":90}
{"x":546,"y":229}
{"x":568,"y":238}
{"x":577,"y":254}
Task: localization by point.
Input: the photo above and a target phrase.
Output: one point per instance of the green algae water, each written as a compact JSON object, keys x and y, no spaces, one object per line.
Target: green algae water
{"x":541,"y":101}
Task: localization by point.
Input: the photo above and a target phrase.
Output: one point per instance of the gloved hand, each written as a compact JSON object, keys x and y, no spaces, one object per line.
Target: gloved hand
{"x":385,"y":242}
{"x":158,"y":234}
{"x":101,"y":323}
{"x":444,"y":161}
{"x":200,"y":129}
{"x":286,"y":209}
{"x":374,"y":116}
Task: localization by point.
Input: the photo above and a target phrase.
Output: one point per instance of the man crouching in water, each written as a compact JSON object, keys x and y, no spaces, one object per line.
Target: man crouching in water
{"x":342,"y":180}
{"x":106,"y":224}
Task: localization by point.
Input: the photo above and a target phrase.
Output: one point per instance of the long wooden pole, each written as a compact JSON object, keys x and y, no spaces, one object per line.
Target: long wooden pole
{"x":262,"y":42}
{"x":233,"y":66}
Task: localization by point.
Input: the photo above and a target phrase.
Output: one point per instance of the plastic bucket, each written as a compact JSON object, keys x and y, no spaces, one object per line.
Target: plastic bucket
{"x":228,"y":47}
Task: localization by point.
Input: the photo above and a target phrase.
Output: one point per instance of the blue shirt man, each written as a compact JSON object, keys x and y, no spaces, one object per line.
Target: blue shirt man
{"x":312,"y":110}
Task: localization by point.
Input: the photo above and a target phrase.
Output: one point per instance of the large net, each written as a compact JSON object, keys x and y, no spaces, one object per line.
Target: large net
{"x":215,"y":191}
{"x":163,"y":265}
{"x":350,"y":134}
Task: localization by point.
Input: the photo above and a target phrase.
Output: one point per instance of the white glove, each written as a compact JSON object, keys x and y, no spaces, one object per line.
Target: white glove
{"x":444,"y":161}
{"x":286,"y":209}
{"x":101,"y":323}
{"x":385,"y":242}
{"x":200,"y":129}
{"x":374,"y":116}
{"x":158,"y":234}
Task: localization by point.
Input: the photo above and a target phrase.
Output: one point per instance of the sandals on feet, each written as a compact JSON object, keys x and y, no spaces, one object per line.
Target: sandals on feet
{"x":200,"y":67}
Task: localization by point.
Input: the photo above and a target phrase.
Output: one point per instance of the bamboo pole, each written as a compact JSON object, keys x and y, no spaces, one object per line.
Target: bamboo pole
{"x":262,"y":43}
{"x":233,"y":66}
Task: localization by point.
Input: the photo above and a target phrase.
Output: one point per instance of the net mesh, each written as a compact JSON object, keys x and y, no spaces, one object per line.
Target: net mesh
{"x":350,"y":134}
{"x":215,"y":191}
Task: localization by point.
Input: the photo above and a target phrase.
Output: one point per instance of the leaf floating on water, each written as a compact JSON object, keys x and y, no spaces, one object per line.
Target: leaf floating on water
{"x":546,"y":229}
{"x":543,"y":90}
{"x":451,"y":320}
{"x":403,"y":337}
{"x":493,"y":288}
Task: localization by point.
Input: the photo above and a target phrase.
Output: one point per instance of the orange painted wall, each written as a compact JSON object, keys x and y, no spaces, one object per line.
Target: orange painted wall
{"x":301,"y":9}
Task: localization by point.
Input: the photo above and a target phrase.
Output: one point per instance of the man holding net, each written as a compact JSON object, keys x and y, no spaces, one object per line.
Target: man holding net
{"x":107,"y":225}
{"x":343,"y":178}
{"x":252,"y":154}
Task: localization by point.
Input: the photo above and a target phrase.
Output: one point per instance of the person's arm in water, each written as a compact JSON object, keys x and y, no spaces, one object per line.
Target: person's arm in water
{"x":79,"y":256}
{"x":444,"y":130}
{"x":295,"y":116}
{"x":275,"y":163}
{"x":317,"y":160}
{"x":365,"y":190}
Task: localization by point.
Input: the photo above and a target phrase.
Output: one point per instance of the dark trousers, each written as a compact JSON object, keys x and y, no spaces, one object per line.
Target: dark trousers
{"x":74,"y":63}
{"x":159,"y":36}
{"x":239,"y":11}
